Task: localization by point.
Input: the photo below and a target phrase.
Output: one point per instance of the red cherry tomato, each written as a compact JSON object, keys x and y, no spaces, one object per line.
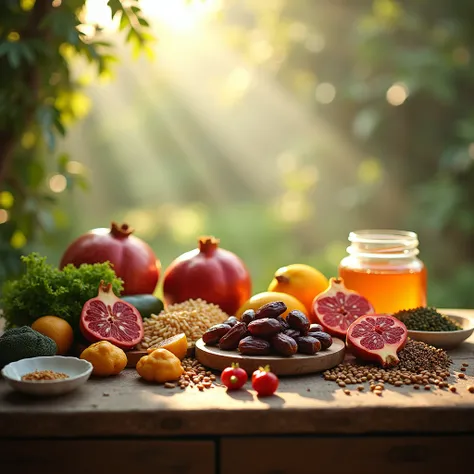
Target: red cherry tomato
{"x":264,"y":382}
{"x":234,"y":377}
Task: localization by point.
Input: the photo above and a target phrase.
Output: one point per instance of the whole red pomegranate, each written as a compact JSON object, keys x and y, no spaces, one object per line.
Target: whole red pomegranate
{"x":336,"y":308}
{"x":133,"y":259}
{"x":211,"y":273}
{"x":377,"y":337}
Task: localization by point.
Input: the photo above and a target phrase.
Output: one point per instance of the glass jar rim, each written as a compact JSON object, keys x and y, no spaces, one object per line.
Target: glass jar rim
{"x":383,"y":243}
{"x":383,"y":236}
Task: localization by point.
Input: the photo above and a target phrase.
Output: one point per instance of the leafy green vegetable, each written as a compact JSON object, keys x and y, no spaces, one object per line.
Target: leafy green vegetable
{"x":45,"y":290}
{"x":24,"y":342}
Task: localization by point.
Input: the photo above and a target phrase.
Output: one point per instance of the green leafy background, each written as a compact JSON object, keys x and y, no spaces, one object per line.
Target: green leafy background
{"x":268,"y":125}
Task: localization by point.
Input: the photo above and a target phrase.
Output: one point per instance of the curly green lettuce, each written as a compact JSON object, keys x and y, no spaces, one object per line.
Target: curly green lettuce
{"x":45,"y":290}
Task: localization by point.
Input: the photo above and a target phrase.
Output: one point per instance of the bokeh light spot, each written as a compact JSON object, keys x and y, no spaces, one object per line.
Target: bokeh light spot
{"x":74,"y":167}
{"x":3,"y":216}
{"x":369,"y":171}
{"x":325,"y":93}
{"x":315,"y":43}
{"x":6,"y":199}
{"x":18,"y":240}
{"x":471,"y":151}
{"x":397,"y":94}
{"x":13,"y":36}
{"x":58,"y":183}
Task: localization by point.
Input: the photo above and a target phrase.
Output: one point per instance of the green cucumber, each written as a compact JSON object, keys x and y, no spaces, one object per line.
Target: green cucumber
{"x":145,"y":304}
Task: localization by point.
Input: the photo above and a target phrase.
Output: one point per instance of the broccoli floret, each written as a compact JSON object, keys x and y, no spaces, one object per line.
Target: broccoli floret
{"x":24,"y":342}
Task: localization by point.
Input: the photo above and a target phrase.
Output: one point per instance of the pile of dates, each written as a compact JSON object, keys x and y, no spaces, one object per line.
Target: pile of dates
{"x":265,"y":331}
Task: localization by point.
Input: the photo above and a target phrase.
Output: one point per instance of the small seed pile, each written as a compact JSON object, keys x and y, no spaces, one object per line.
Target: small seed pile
{"x":193,"y":317}
{"x":426,"y":319}
{"x":420,"y":364}
{"x":39,"y":375}
{"x":195,"y":375}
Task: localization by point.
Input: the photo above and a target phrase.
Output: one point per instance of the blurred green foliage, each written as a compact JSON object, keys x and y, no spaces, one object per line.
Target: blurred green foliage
{"x":385,"y":86}
{"x":39,"y":99}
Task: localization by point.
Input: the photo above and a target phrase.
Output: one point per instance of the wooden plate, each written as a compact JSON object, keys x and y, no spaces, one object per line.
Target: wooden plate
{"x":215,"y":358}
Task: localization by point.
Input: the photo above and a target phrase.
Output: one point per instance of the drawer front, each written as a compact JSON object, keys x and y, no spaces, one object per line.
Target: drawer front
{"x":354,"y":455}
{"x":100,"y":457}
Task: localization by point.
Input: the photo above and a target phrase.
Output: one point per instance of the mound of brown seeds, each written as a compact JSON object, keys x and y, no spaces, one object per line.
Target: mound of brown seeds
{"x":420,"y":364}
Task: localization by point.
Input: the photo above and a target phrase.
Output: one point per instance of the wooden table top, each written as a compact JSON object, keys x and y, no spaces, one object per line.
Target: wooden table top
{"x":126,"y":406}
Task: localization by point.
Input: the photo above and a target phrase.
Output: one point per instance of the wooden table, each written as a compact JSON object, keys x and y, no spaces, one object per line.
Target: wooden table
{"x":122,"y":424}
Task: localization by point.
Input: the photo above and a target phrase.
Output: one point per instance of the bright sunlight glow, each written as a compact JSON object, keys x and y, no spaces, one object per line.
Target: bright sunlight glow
{"x":177,"y":15}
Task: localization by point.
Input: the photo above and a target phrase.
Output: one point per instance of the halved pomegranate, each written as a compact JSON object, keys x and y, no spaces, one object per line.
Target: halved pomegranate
{"x":377,"y":337}
{"x":108,"y":318}
{"x":337,"y":308}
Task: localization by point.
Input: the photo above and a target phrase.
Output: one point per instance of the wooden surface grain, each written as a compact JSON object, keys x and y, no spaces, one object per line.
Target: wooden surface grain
{"x":104,"y":456}
{"x":348,"y":454}
{"x":127,"y":406}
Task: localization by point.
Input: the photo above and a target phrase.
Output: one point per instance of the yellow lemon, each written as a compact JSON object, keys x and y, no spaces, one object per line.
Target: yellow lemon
{"x":269,"y":296}
{"x":301,"y":281}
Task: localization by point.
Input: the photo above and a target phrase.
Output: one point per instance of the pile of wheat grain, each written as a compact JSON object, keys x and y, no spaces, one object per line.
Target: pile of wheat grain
{"x":193,"y":317}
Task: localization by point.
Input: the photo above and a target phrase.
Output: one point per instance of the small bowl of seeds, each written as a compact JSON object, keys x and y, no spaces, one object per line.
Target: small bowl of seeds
{"x":435,"y":328}
{"x":47,"y":376}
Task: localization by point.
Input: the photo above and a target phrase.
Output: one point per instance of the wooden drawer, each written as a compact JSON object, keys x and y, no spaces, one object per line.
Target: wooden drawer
{"x":99,"y":457}
{"x":354,"y":455}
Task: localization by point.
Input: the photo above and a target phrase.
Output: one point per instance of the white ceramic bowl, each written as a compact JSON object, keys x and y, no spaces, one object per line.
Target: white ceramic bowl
{"x":446,"y":339}
{"x":78,"y":370}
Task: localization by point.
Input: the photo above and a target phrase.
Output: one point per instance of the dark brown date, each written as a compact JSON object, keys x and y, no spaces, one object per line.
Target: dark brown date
{"x":284,"y":325}
{"x":265,"y":328}
{"x":231,"y":321}
{"x":248,"y":316}
{"x":292,"y":333}
{"x":212,"y":336}
{"x":271,"y":310}
{"x":308,"y":345}
{"x":315,"y":328}
{"x":254,"y":346}
{"x":231,"y":340}
{"x":297,"y":320}
{"x":323,"y":337}
{"x":284,"y":345}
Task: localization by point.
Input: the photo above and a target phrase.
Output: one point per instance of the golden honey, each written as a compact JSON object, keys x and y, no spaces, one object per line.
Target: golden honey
{"x":383,"y":266}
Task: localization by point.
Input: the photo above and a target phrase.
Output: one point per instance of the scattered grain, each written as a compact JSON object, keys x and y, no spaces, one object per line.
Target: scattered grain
{"x":360,"y":388}
{"x":471,"y":388}
{"x":170,"y":385}
{"x":195,"y":375}
{"x":463,"y":369}
{"x":347,"y":392}
{"x":462,"y":375}
{"x":427,"y":387}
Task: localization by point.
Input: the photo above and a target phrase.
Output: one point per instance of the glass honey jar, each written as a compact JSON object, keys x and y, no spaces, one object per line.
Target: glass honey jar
{"x":383,"y":266}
